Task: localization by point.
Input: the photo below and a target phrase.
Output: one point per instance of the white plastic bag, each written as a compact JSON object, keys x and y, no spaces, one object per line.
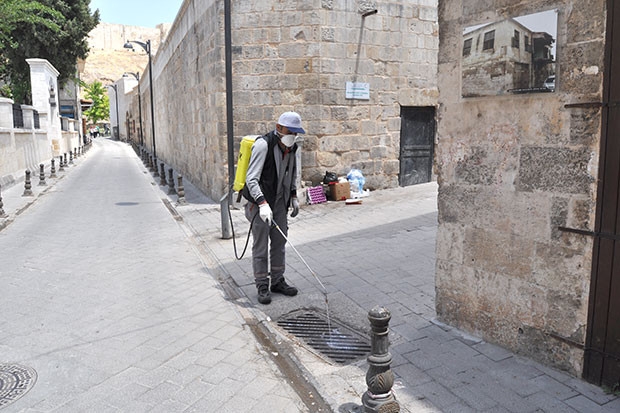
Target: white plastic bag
{"x":356,"y":180}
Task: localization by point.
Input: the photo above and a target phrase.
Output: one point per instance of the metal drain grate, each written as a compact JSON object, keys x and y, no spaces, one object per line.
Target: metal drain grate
{"x":15,"y":381}
{"x":338,"y":343}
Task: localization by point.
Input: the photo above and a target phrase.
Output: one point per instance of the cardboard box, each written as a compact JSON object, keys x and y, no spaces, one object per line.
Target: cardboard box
{"x":339,"y":191}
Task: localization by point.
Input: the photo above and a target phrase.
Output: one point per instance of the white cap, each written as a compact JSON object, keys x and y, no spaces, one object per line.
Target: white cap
{"x":292,"y":122}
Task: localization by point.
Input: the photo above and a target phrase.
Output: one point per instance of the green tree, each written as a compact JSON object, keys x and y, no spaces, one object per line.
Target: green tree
{"x":101,"y":103}
{"x":56,"y":30}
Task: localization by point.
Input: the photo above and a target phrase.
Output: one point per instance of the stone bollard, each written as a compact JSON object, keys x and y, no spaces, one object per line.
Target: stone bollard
{"x":171,"y":190}
{"x":2,"y":213}
{"x":42,"y":175}
{"x":180,"y":191}
{"x":379,"y":378}
{"x":162,"y":175}
{"x":27,"y":185}
{"x":53,"y":169}
{"x":60,"y":165}
{"x":155,"y":169}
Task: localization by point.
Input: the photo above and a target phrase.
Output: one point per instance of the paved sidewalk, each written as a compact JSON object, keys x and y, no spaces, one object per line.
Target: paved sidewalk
{"x":382,"y":252}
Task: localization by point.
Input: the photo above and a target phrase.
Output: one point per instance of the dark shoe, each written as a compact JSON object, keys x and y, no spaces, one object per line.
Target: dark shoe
{"x":283,"y":288}
{"x":264,"y":297}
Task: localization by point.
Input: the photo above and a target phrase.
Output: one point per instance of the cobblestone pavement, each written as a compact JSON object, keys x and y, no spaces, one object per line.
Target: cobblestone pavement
{"x":143,"y":332}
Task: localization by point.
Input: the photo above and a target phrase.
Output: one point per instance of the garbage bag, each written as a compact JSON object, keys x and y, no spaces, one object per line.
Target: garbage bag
{"x":356,"y":180}
{"x":330,"y":177}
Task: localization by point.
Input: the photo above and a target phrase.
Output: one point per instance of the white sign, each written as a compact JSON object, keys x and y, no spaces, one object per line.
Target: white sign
{"x":357,"y":90}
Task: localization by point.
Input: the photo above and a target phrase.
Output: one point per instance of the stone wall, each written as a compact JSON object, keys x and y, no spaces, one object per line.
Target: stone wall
{"x":511,"y":170}
{"x":293,"y":56}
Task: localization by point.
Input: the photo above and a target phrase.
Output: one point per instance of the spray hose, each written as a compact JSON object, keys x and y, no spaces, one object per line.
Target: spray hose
{"x":247,"y":240}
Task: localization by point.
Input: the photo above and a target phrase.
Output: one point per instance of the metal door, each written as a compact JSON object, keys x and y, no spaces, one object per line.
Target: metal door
{"x":602,"y":353}
{"x":417,"y":136}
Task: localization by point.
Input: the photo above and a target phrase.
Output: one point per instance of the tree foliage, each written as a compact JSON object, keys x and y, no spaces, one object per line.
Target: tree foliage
{"x":56,"y":30}
{"x":101,"y":103}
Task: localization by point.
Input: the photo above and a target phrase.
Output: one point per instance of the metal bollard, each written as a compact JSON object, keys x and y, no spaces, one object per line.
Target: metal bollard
{"x":53,"y":169}
{"x":379,"y":397}
{"x":70,"y":157}
{"x":60,"y":165}
{"x":171,"y":190}
{"x":42,"y":175}
{"x":224,"y":215}
{"x":162,"y":175}
{"x":180,"y":191}
{"x":66,"y":159}
{"x":151,"y":163}
{"x":155,"y":169}
{"x":2,"y":213}
{"x":27,"y":185}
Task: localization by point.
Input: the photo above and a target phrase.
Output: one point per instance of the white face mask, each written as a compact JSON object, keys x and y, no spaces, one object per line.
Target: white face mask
{"x":288,"y":140}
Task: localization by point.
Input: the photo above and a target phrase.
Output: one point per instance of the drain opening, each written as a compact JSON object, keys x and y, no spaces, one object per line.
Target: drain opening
{"x":15,"y":381}
{"x":339,"y":343}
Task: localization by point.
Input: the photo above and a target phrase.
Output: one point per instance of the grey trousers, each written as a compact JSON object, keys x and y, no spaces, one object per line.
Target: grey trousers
{"x":268,"y":245}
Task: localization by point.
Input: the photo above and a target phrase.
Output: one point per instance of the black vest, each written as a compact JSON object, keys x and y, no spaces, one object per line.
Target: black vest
{"x":269,"y":177}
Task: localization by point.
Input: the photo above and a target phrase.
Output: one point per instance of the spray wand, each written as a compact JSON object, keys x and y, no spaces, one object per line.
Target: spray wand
{"x":316,"y":277}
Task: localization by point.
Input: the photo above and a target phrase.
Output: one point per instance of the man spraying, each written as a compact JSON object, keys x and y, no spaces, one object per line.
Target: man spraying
{"x":270,"y":187}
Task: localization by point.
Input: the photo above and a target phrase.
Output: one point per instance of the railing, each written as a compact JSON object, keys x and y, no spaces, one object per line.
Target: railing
{"x":37,"y":122}
{"x":18,"y":116}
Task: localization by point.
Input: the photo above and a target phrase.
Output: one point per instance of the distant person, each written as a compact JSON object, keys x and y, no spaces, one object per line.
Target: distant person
{"x":270,"y":187}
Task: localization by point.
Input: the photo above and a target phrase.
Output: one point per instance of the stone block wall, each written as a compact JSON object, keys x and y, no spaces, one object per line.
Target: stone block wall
{"x":511,"y":170}
{"x":293,"y":56}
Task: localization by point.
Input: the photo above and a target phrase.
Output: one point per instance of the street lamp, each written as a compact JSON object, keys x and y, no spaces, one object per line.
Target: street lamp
{"x":118,"y":127}
{"x":147,"y":47}
{"x":137,"y":77}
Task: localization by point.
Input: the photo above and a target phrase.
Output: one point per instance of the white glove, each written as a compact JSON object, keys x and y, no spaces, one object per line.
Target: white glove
{"x":264,"y":210}
{"x":295,"y":204}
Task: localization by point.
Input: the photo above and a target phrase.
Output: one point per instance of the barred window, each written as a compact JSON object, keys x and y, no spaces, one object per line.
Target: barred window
{"x":489,"y":40}
{"x":467,"y":47}
{"x":515,"y":39}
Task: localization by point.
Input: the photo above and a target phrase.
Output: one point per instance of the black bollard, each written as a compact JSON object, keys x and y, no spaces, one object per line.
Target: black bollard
{"x":42,"y":175}
{"x":60,"y":165}
{"x":53,"y":169}
{"x":155,"y":169}
{"x":66,"y":159}
{"x":2,"y":213}
{"x":162,"y":175}
{"x":171,"y":190}
{"x":151,"y":163}
{"x":180,"y":191}
{"x":70,"y":157}
{"x":74,"y":153}
{"x":379,"y":397}
{"x":27,"y":185}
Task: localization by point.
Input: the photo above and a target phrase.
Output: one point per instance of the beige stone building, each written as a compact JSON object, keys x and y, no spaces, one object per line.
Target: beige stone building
{"x":528,"y":192}
{"x":362,"y":74}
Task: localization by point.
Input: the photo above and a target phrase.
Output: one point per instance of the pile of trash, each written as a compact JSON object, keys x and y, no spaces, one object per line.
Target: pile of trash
{"x":349,"y":189}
